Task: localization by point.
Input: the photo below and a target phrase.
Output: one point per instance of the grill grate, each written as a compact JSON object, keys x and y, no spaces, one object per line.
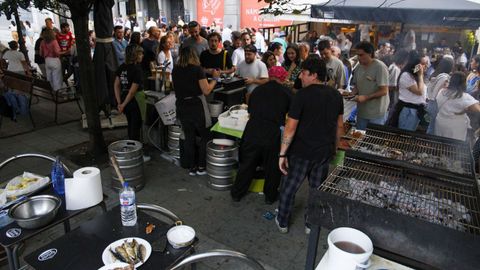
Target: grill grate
{"x":454,"y":158}
{"x":443,"y":202}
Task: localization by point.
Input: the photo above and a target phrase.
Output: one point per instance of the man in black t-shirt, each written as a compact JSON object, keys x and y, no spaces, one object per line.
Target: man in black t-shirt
{"x":215,"y":57}
{"x":150,"y":46}
{"x":314,"y":126}
{"x":268,"y":105}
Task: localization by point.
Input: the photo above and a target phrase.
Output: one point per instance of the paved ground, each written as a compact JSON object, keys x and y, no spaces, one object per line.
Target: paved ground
{"x":220,"y":223}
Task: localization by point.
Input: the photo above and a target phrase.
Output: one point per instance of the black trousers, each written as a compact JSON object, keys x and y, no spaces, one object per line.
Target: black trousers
{"x":192,"y":129}
{"x":251,"y":156}
{"x":134,"y":119}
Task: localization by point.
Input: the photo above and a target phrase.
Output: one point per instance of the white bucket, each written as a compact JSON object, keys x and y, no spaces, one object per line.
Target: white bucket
{"x":339,"y":259}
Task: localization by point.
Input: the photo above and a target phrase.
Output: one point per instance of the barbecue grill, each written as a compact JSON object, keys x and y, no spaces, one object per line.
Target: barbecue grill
{"x":427,"y":221}
{"x":419,"y":151}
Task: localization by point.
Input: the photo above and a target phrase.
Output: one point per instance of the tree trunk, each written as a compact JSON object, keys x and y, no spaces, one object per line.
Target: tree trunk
{"x":21,"y":41}
{"x":87,"y":82}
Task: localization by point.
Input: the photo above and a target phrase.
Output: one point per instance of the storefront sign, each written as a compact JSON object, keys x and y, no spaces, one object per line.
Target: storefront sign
{"x":250,"y":16}
{"x":209,"y":11}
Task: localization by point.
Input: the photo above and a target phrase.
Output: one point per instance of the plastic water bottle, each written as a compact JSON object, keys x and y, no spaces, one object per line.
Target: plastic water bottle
{"x":128,"y":208}
{"x":58,"y":177}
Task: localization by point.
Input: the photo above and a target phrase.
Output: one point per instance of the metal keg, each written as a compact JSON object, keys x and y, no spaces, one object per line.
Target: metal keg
{"x":129,"y":155}
{"x":173,"y":141}
{"x":221,"y":165}
{"x":215,"y":107}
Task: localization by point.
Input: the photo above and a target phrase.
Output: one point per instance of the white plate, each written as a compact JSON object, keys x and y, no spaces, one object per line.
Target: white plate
{"x":224,"y":142}
{"x":107,"y":255}
{"x":113,"y":266}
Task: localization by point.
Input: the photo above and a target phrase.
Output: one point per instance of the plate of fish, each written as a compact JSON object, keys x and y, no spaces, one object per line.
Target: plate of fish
{"x":131,"y":250}
{"x":117,"y":266}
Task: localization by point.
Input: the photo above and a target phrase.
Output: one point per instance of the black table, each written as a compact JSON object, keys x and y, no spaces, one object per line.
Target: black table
{"x":82,"y":248}
{"x":12,"y":235}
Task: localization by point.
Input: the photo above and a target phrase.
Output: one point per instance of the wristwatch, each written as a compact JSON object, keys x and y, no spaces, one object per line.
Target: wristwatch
{"x":280,"y":155}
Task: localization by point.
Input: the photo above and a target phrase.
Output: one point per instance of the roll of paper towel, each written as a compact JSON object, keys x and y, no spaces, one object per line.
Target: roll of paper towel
{"x":84,"y":189}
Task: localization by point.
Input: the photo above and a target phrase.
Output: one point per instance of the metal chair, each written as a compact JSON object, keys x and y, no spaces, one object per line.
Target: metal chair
{"x":254,"y":264}
{"x":158,"y":209}
{"x":67,"y":170}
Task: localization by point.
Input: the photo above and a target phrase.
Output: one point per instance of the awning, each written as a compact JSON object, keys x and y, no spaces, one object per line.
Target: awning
{"x":462,"y":14}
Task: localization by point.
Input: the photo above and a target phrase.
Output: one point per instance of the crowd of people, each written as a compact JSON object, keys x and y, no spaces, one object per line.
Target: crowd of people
{"x":391,"y":85}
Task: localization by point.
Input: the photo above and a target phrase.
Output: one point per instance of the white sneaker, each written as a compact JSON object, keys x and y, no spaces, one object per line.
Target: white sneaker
{"x":307,"y":230}
{"x":281,"y":229}
{"x":146,"y":158}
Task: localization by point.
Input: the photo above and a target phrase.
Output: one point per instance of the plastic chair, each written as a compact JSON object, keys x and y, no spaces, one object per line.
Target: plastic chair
{"x":254,"y":264}
{"x":158,"y":209}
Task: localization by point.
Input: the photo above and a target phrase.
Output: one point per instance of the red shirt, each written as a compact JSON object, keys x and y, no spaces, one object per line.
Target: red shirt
{"x":65,"y":41}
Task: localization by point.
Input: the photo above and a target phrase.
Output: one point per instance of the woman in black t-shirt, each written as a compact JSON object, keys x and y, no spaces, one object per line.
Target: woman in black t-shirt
{"x":191,"y":87}
{"x":127,"y":82}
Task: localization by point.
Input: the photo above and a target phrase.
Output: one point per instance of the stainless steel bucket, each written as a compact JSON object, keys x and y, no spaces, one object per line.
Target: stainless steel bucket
{"x":215,"y":107}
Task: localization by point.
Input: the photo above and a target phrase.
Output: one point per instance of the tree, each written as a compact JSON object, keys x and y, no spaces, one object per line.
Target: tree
{"x":79,"y":10}
{"x":9,"y":8}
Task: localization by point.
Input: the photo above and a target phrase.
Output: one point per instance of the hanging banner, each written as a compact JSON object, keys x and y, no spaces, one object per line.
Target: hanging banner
{"x":209,"y":11}
{"x":250,"y":16}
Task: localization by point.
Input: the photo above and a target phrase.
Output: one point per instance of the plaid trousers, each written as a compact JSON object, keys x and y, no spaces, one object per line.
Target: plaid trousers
{"x":298,"y":170}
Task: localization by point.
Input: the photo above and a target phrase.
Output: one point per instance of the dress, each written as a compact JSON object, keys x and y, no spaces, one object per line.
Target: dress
{"x":295,"y":72}
{"x":452,"y":121}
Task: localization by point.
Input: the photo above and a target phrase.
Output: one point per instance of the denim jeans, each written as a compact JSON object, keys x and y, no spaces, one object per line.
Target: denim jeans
{"x":408,"y":119}
{"x":363,"y":122}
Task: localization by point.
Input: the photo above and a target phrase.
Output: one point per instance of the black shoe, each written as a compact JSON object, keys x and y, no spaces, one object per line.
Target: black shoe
{"x":192,"y":172}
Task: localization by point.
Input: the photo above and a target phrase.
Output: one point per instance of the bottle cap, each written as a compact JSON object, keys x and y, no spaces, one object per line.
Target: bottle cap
{"x":125,"y":184}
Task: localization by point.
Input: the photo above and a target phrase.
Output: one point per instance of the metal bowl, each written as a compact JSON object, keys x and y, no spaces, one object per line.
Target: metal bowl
{"x":36,"y":211}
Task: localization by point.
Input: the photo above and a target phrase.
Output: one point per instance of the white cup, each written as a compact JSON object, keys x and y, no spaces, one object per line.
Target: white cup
{"x":342,"y":260}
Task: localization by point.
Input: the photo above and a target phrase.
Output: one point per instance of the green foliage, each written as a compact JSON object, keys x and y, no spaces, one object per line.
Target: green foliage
{"x":8,"y":7}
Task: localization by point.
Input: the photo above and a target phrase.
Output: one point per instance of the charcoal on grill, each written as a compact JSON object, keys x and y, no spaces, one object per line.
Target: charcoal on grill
{"x":418,"y":158}
{"x":398,"y":198}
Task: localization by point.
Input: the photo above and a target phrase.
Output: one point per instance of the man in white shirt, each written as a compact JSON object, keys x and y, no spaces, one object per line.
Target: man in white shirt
{"x":260,"y":41}
{"x":335,"y":69}
{"x":16,"y":60}
{"x":239,"y":53}
{"x":150,"y":23}
{"x":226,"y":33}
{"x":252,"y":70}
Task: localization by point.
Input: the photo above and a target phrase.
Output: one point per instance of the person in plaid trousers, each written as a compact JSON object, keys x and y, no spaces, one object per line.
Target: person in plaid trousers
{"x":313,"y":129}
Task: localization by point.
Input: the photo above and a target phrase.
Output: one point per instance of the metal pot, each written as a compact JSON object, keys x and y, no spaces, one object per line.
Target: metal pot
{"x":36,"y":211}
{"x":215,"y":107}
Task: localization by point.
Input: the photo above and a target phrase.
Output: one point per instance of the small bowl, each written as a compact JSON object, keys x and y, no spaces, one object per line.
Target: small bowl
{"x":180,"y":236}
{"x":36,"y":211}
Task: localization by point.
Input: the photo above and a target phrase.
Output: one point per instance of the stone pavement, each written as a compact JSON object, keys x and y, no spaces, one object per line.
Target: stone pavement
{"x":219,"y":222}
